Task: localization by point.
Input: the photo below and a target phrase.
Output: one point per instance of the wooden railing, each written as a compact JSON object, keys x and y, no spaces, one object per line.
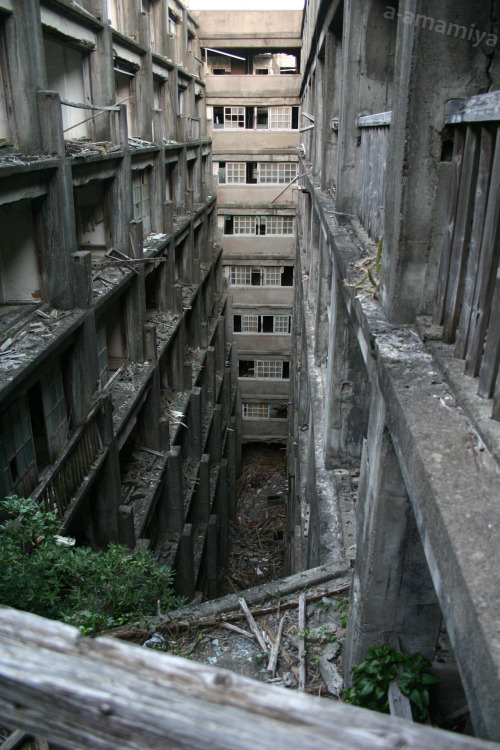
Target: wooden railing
{"x":70,"y":469}
{"x":83,"y":693}
{"x":372,"y":172}
{"x":468,"y":292}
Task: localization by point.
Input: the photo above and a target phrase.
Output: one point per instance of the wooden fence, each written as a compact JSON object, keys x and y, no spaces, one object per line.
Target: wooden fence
{"x":468,"y":293}
{"x":105,"y":694}
{"x":372,"y":172}
{"x":70,"y":469}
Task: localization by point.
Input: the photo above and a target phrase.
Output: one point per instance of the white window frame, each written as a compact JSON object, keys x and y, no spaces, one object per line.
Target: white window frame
{"x":276,"y":173}
{"x":255,"y":411}
{"x":245,"y":225}
{"x":234,"y":118}
{"x":269,"y":369}
{"x":240,"y":275}
{"x":250,"y":323}
{"x":271,"y":275}
{"x":141,"y":196}
{"x":280,"y":118}
{"x":236,"y":173}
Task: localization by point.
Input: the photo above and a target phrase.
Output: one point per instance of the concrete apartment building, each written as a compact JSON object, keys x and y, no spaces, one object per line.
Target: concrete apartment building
{"x":116,"y":385}
{"x":253,"y":82}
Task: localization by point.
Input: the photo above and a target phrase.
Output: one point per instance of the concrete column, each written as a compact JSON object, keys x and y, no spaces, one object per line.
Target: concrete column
{"x":232,"y":467}
{"x":103,"y":83}
{"x":347,"y":393}
{"x":208,"y":379}
{"x":164,"y":434}
{"x":201,"y":509}
{"x":108,"y":493}
{"x":82,"y":279}
{"x":238,"y":428}
{"x":136,"y":297}
{"x":83,"y":368}
{"x":211,"y":572}
{"x":126,"y":527}
{"x":220,"y":345}
{"x":168,"y":217}
{"x":171,"y":510}
{"x":184,"y":579}
{"x":150,"y":429}
{"x":322,"y":300}
{"x":225,"y":397}
{"x":194,"y":437}
{"x":392,"y":588}
{"x":221,"y":508}
{"x":215,"y":437}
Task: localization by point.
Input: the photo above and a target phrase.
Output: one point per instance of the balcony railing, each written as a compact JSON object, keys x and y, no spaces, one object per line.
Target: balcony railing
{"x":70,"y":469}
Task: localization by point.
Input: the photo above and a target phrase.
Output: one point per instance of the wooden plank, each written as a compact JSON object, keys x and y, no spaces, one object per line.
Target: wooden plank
{"x":103,"y":694}
{"x":253,"y":626}
{"x":491,"y":358}
{"x":482,"y":108}
{"x":15,"y":740}
{"x":444,"y":262}
{"x":461,"y":235}
{"x":488,"y":261}
{"x":375,"y":121}
{"x":481,"y":199}
{"x":302,"y":643}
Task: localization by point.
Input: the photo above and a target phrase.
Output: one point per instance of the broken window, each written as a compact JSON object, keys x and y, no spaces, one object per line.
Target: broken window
{"x":261,"y":225}
{"x":92,"y":217}
{"x":262,"y":118}
{"x":21,"y":260}
{"x":261,"y":276}
{"x":125,"y":93}
{"x":16,"y":445}
{"x":142,"y":198}
{"x":234,"y":118}
{"x":262,"y":324}
{"x":68,"y":74}
{"x":246,"y":368}
{"x":251,"y":172}
{"x":102,"y":354}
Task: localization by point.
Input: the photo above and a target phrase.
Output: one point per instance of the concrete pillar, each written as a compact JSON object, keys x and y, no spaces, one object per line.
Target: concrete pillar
{"x":392,"y":588}
{"x":166,"y":281}
{"x":209,"y":377}
{"x":168,"y":217}
{"x":322,"y":299}
{"x":171,"y":510}
{"x":108,"y":492}
{"x":201,"y":509}
{"x":221,"y":509}
{"x":215,"y":437}
{"x":238,"y":428}
{"x":347,"y":393}
{"x":82,"y":279}
{"x":126,"y":527}
{"x":184,"y":579}
{"x":149,"y":434}
{"x":193,"y":445}
{"x":211,"y":552}
{"x":164,"y":435}
{"x":136,"y":297}
{"x":102,"y":83}
{"x":232,"y":467}
{"x":220,"y":345}
{"x":225,"y":396}
{"x":150,"y":342}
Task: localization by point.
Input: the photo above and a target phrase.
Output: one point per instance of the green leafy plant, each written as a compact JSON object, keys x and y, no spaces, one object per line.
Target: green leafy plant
{"x":371,"y":679}
{"x":93,"y":590}
{"x":342,"y":606}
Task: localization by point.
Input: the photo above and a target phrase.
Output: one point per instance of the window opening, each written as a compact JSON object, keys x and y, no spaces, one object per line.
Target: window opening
{"x":142,"y":198}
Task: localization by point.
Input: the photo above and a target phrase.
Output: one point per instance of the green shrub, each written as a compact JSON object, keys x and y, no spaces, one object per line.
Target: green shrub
{"x":93,"y":590}
{"x":372,"y":676}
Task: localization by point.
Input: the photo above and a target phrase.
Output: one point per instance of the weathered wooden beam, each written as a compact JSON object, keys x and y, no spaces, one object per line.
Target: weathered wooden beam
{"x":103,"y":694}
{"x":375,"y":121}
{"x":476,"y":109}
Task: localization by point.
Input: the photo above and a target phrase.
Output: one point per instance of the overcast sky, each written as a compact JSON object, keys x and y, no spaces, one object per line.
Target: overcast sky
{"x":246,"y":4}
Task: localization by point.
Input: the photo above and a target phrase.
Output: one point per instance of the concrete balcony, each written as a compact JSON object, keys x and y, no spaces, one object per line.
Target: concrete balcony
{"x":251,"y":89}
{"x":227,"y":142}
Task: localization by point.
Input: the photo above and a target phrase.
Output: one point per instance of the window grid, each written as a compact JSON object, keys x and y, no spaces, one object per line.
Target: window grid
{"x":234,"y":118}
{"x":280,"y":118}
{"x":53,"y":401}
{"x":271,"y":276}
{"x":279,"y":224}
{"x":259,"y":411}
{"x":244,"y":225}
{"x":141,"y":194}
{"x":102,"y":355}
{"x":249,"y":323}
{"x":282,"y":323}
{"x":265,"y":368}
{"x":236,"y":172}
{"x":240,"y":275}
{"x":19,"y":449}
{"x":276,"y":173}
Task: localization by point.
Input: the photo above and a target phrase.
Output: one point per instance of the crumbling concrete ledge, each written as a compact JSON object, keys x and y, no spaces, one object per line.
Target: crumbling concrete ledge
{"x":453,"y":486}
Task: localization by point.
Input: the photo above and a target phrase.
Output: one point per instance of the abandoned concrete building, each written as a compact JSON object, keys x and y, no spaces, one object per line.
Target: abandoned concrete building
{"x":352,"y":257}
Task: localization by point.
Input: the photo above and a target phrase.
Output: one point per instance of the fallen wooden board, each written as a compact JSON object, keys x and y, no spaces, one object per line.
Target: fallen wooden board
{"x":103,"y":694}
